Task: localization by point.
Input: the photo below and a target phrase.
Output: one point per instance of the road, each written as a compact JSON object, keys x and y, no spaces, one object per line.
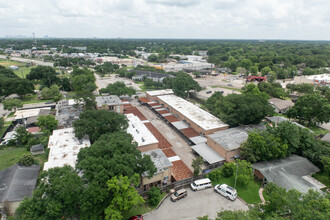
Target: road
{"x":196,"y":204}
{"x":24,"y":60}
{"x":102,"y":82}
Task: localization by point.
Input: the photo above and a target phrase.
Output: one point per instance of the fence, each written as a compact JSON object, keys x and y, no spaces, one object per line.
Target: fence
{"x":175,"y":185}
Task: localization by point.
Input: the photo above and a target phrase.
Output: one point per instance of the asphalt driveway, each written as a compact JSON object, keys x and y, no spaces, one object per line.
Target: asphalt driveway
{"x":200,"y":203}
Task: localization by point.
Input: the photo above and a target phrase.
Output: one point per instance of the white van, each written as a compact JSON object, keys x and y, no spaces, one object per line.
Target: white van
{"x":201,"y":184}
{"x":226,"y":191}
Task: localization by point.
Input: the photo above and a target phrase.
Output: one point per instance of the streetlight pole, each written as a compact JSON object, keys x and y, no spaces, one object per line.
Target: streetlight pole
{"x":236,"y":175}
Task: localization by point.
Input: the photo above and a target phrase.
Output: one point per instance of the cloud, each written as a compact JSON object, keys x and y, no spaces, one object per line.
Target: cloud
{"x":236,"y":19}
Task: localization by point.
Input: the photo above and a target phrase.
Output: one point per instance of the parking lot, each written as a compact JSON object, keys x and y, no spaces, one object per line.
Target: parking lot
{"x":200,"y":203}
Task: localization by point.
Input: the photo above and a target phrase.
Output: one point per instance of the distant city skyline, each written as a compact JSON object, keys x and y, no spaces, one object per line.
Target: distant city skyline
{"x":172,"y":19}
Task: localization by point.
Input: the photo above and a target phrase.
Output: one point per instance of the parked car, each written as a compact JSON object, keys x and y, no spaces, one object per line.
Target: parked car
{"x":208,"y":92}
{"x":178,"y":195}
{"x":136,"y":217}
{"x":226,"y":191}
{"x":201,"y":184}
{"x":231,"y":85}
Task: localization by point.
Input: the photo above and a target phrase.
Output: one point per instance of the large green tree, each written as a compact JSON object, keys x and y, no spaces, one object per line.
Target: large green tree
{"x":47,"y":123}
{"x":183,"y":83}
{"x":17,"y":86}
{"x":124,"y":197}
{"x":113,"y":154}
{"x":236,"y":109}
{"x":12,"y":104}
{"x":119,"y":89}
{"x":46,"y":74}
{"x":52,"y":93}
{"x":94,"y":123}
{"x":262,"y":146}
{"x":57,"y":196}
{"x":311,"y":108}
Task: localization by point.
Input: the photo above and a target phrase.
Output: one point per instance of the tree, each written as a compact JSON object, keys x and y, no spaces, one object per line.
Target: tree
{"x":241,"y":109}
{"x":119,"y":89}
{"x":154,"y":196}
{"x":265,"y":70}
{"x":246,"y":63}
{"x":197,"y":165}
{"x":22,"y":136}
{"x":94,"y":123}
{"x":12,"y":104}
{"x":52,"y":93}
{"x":46,"y":74}
{"x":124,"y":197}
{"x":254,"y":70}
{"x":303,"y":88}
{"x":2,"y":122}
{"x":26,"y":160}
{"x":57,"y":196}
{"x":17,"y":86}
{"x":311,"y":108}
{"x":244,"y":172}
{"x":47,"y":123}
{"x":273,"y":89}
{"x":113,"y":154}
{"x":183,"y":83}
{"x":262,"y":146}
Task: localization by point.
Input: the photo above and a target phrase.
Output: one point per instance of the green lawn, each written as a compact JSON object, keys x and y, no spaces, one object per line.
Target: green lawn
{"x":29,"y":99}
{"x":11,"y":114}
{"x":323,"y":178}
{"x":249,"y":193}
{"x":5,"y":63}
{"x":10,"y":156}
{"x":318,"y":131}
{"x":5,"y":126}
{"x":140,"y":210}
{"x":23,"y":71}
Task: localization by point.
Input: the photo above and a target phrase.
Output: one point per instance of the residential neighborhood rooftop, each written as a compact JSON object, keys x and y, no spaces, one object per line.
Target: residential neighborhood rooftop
{"x":107,"y":100}
{"x":64,"y":148}
{"x":139,"y":131}
{"x":197,"y":115}
{"x":17,"y":182}
{"x":159,"y":159}
{"x":22,"y":114}
{"x":208,"y":153}
{"x":289,"y":172}
{"x":281,"y":103}
{"x":232,"y":138}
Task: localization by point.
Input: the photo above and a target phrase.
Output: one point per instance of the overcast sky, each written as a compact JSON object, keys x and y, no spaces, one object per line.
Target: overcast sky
{"x":206,"y":19}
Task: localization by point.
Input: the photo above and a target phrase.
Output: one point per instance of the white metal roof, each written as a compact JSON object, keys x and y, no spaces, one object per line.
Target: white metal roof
{"x":139,"y":131}
{"x":197,"y":115}
{"x":208,"y":153}
{"x":64,"y":148}
{"x":28,"y":113}
{"x":160,"y":92}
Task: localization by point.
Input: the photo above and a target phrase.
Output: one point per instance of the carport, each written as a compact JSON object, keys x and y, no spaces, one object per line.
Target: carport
{"x":209,"y":155}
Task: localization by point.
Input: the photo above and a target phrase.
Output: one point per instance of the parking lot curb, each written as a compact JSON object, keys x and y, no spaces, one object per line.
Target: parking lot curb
{"x":165,"y":197}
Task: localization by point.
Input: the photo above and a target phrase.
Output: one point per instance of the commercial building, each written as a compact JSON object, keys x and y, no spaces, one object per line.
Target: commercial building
{"x":152,"y":95}
{"x":16,"y":183}
{"x":145,"y":140}
{"x":109,"y":102}
{"x":64,"y":148}
{"x":164,"y":172}
{"x":67,"y":112}
{"x":196,"y":118}
{"x":228,"y":142}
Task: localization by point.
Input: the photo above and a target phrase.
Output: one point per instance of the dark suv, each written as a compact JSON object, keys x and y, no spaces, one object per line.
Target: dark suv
{"x":179,"y":195}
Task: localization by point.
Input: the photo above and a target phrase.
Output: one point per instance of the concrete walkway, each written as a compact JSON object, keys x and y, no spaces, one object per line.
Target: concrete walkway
{"x":261,"y":195}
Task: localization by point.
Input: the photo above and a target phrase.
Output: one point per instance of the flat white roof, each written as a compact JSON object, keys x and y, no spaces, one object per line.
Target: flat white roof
{"x":139,"y":131}
{"x":28,"y":113}
{"x":208,"y":153}
{"x":160,"y":92}
{"x":64,"y":148}
{"x":197,"y":115}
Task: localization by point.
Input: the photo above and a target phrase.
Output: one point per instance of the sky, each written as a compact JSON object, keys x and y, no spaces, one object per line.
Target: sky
{"x":192,"y":19}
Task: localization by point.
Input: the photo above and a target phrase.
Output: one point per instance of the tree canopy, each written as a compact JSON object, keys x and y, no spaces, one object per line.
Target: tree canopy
{"x":12,"y":104}
{"x":47,"y":123}
{"x":242,"y":109}
{"x":17,"y":86}
{"x":119,"y":89}
{"x":312,"y":108}
{"x":46,"y":74}
{"x":183,"y":83}
{"x":52,"y":93}
{"x":94,"y":123}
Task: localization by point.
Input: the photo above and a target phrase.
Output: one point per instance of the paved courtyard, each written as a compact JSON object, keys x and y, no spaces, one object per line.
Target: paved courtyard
{"x":200,"y":203}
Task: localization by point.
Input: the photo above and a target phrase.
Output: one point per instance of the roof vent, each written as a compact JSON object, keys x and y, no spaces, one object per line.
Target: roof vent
{"x":142,"y":139}
{"x":154,"y":154}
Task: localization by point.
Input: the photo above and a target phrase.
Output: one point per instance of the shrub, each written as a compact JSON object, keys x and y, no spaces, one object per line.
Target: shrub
{"x":27,"y":160}
{"x":155,"y":194}
{"x":228,"y":169}
{"x":215,"y":175}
